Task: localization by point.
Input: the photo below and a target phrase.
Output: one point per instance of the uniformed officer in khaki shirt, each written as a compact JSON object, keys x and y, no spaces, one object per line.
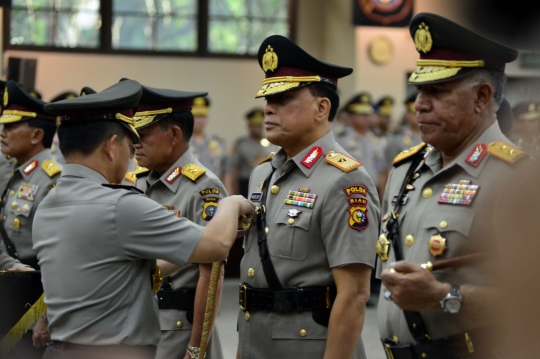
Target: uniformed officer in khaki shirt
{"x":27,"y":137}
{"x":315,"y":234}
{"x":177,"y":180}
{"x":96,"y":271}
{"x":440,"y":198}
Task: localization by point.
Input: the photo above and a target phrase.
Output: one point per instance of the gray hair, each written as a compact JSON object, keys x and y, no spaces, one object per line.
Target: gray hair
{"x":497,"y":80}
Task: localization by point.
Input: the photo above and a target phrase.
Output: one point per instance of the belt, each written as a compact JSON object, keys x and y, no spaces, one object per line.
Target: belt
{"x":182,"y":299}
{"x":465,"y":345}
{"x":128,"y":351}
{"x":295,"y":299}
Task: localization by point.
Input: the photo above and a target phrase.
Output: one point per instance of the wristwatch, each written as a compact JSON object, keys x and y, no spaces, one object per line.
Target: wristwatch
{"x":452,"y":302}
{"x":194,"y":352}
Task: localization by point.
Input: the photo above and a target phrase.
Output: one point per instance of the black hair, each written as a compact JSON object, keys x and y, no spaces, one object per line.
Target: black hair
{"x":320,"y":90}
{"x":184,"y":120}
{"x":84,"y":137}
{"x":48,"y":127}
{"x":497,"y":80}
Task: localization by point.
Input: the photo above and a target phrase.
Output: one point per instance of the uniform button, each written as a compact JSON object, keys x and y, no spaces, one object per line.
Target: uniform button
{"x":443,"y":224}
{"x":424,"y":355}
{"x":11,"y":193}
{"x":3,"y":218}
{"x":409,"y":240}
{"x":13,"y":204}
{"x":303,"y":333}
{"x":266,"y":230}
{"x":275,"y":189}
{"x":179,"y":324}
{"x":16,"y":223}
{"x":427,"y":192}
{"x":18,"y":210}
{"x":251,"y":272}
{"x":12,"y":173}
{"x":247,"y":315}
{"x":395,"y":339}
{"x":290,"y":221}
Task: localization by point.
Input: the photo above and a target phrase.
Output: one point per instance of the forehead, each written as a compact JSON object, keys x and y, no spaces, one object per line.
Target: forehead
{"x":448,"y":85}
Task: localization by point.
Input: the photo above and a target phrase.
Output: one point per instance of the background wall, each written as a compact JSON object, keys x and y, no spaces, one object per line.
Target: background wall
{"x":324,"y":29}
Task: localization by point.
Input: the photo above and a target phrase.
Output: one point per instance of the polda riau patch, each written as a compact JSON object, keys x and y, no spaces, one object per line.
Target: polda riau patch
{"x":209,"y":208}
{"x":358,"y":213}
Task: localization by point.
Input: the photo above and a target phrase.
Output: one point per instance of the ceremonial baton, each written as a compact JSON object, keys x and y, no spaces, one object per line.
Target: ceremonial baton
{"x":453,"y":262}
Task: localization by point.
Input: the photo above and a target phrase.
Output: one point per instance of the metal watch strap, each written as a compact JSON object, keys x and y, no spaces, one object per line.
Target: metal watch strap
{"x":264,"y":253}
{"x":414,"y":320}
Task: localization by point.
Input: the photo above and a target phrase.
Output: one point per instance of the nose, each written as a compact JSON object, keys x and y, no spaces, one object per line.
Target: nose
{"x":137,"y":146}
{"x":421,"y":104}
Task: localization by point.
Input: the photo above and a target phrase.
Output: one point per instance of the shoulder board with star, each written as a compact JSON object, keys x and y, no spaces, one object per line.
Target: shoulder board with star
{"x":506,"y":152}
{"x":193,"y":172}
{"x":121,"y":186}
{"x":267,"y":158}
{"x":341,"y":161}
{"x":408,"y":154}
{"x":50,"y":168}
{"x":132,"y":176}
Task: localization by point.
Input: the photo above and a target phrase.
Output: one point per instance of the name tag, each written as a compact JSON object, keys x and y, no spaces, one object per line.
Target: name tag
{"x":256,"y":197}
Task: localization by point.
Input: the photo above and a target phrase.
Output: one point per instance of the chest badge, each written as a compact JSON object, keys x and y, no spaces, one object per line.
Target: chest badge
{"x":477,"y":154}
{"x":31,"y":167}
{"x":437,"y":245}
{"x":462,"y":193}
{"x":311,"y":158}
{"x":301,"y":199}
{"x":293,"y":213}
{"x":27,"y":191}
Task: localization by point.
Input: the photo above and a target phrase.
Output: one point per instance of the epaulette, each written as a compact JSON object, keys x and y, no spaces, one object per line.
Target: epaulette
{"x":407,"y":154}
{"x":121,"y":186}
{"x":506,"y":152}
{"x":132,"y":176}
{"x":341,"y":161}
{"x":267,"y":158}
{"x":192,"y":171}
{"x":50,"y":168}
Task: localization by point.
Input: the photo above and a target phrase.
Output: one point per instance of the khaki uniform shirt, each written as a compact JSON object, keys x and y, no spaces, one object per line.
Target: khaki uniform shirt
{"x":305,"y":250}
{"x":196,"y":201}
{"x":27,"y":187}
{"x":211,"y":152}
{"x":97,"y":247}
{"x":246,"y":154}
{"x":397,"y":143}
{"x":467,"y":229}
{"x":361,"y":149}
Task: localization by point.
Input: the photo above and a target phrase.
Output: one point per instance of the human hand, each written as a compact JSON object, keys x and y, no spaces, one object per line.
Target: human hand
{"x":413,"y":288}
{"x":40,"y":334}
{"x":21,"y":269}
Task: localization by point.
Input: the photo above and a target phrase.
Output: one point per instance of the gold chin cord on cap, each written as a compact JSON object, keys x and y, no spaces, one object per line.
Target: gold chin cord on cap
{"x":129,"y":121}
{"x":143,"y":118}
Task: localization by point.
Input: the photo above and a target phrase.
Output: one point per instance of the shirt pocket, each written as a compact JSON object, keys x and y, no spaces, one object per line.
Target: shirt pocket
{"x":454,"y":225}
{"x":173,"y":319}
{"x":299,"y":326}
{"x":20,"y":214}
{"x":291,"y":237}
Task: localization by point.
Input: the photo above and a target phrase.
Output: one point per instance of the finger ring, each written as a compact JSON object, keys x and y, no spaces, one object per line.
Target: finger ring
{"x":392,"y":270}
{"x":388,"y":296}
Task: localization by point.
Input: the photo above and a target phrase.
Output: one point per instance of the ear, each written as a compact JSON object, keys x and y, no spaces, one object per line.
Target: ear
{"x":177,"y":136}
{"x":323,"y":108}
{"x":109,"y":146}
{"x":484,"y":94}
{"x":37,"y":136}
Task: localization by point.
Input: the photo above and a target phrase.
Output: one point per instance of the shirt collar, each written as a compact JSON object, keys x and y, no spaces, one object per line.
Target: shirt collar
{"x":184,"y":160}
{"x":40,"y":157}
{"x":491,"y":134}
{"x":326,"y":143}
{"x":74,"y":170}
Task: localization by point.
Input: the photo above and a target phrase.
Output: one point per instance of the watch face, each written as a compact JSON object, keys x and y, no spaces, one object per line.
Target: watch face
{"x":452,"y":305}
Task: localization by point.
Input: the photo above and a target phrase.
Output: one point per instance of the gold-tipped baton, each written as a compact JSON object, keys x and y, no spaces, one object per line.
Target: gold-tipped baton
{"x":454,"y":262}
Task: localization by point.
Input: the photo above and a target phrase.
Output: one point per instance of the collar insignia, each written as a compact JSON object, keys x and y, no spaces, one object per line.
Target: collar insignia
{"x":477,"y":154}
{"x":312,"y":157}
{"x":31,"y":167}
{"x":173,"y":175}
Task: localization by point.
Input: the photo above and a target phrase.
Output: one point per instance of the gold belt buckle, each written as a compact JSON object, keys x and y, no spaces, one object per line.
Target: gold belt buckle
{"x":243,"y":297}
{"x":388,"y":351}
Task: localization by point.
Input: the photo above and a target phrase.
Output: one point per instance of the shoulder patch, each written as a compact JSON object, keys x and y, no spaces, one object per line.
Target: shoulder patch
{"x":267,"y":158}
{"x":506,"y":152}
{"x":207,"y":191}
{"x":132,"y":176}
{"x":121,"y":186}
{"x":192,"y":171}
{"x":50,"y":168}
{"x":341,"y":161}
{"x":404,"y":155}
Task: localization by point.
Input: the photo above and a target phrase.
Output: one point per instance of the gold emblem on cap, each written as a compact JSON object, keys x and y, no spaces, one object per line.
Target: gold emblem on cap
{"x":422,"y":39}
{"x":6,"y":97}
{"x":269,"y":60}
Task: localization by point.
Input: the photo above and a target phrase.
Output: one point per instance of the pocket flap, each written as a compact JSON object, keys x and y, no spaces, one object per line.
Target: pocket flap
{"x":450,"y":221}
{"x":21,"y":208}
{"x":173,"y":319}
{"x":302,"y":219}
{"x":294,"y":325}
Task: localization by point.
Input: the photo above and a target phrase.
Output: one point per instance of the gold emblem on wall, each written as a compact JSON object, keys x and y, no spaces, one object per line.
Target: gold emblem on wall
{"x":269,"y":60}
{"x":422,"y":38}
{"x":381,"y":50}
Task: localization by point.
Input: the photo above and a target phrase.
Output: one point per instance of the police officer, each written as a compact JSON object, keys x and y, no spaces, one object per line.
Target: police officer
{"x":27,"y":136}
{"x":178,"y":181}
{"x":248,"y":151}
{"x":526,"y":131}
{"x":6,"y":162}
{"x":96,"y":270}
{"x":55,"y":149}
{"x":314,"y":235}
{"x":207,"y":148}
{"x":358,"y":141}
{"x":440,"y":198}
